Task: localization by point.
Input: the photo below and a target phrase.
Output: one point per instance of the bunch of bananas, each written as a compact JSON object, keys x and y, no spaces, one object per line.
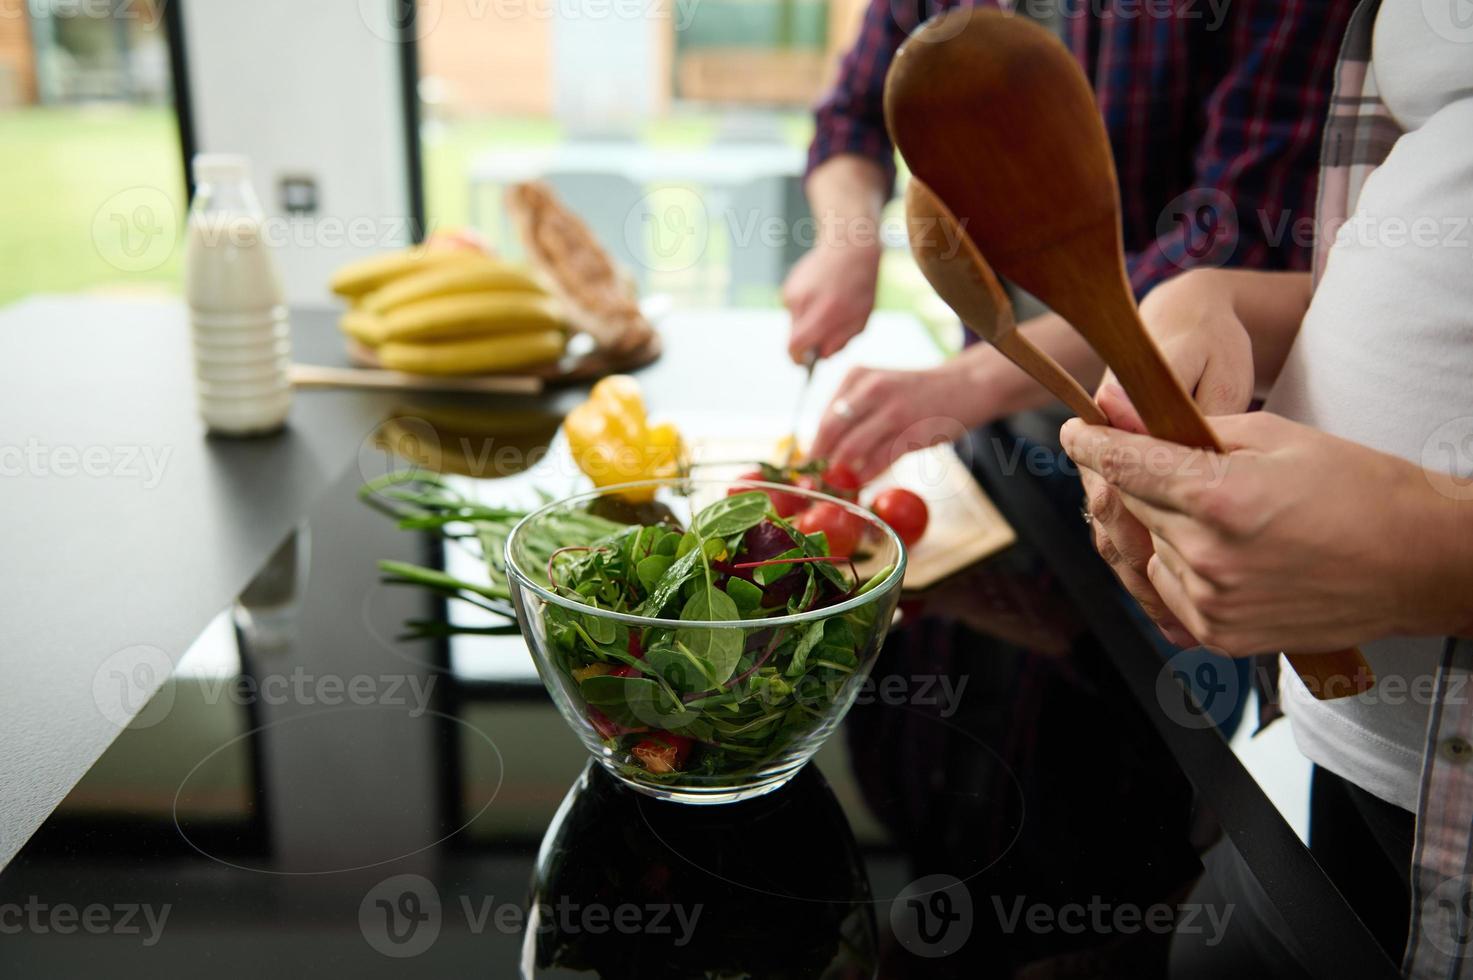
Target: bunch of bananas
{"x":450,"y":311}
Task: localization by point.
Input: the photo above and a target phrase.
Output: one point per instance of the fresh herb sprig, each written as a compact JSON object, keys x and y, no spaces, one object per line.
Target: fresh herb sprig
{"x":422,"y":501}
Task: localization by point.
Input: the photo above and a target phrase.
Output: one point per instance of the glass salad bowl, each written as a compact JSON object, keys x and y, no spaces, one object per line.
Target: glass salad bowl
{"x":700,"y":645}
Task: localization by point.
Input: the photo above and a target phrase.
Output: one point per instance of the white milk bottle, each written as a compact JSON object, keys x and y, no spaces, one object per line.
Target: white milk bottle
{"x":242,"y":347}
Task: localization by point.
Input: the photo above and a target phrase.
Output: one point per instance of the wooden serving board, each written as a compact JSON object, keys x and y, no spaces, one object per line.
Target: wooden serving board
{"x":965,"y":525}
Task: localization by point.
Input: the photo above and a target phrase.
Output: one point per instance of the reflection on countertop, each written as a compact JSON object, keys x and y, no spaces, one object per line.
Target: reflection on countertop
{"x":310,"y":793}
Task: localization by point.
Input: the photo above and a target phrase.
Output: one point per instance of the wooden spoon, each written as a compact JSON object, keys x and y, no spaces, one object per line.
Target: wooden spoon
{"x":996,"y":117}
{"x":962,"y":278}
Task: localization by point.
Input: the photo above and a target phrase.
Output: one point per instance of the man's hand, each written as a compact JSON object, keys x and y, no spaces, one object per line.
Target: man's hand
{"x":831,"y":290}
{"x":1290,"y":540}
{"x":878,"y":416}
{"x":830,"y":294}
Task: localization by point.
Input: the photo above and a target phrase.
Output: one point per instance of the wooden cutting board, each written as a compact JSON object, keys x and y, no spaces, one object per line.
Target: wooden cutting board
{"x":578,"y":365}
{"x":965,"y":525}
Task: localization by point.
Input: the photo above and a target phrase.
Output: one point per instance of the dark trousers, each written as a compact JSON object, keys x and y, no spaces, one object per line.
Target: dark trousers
{"x":1365,"y":846}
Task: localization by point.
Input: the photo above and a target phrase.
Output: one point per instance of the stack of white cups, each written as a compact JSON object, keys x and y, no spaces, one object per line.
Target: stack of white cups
{"x":242,"y":341}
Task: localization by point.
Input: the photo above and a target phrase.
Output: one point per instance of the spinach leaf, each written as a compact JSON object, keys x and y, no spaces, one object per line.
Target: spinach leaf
{"x":838,"y":657}
{"x":838,"y":632}
{"x":603,"y":631}
{"x":731,"y":515}
{"x":719,"y":649}
{"x":634,"y":701}
{"x":671,"y":582}
{"x":748,"y":597}
{"x":810,"y":593}
{"x":814,"y":548}
{"x":806,"y":643}
{"x":650,"y":570}
{"x":767,"y":574}
{"x":679,"y":667}
{"x":618,"y":696}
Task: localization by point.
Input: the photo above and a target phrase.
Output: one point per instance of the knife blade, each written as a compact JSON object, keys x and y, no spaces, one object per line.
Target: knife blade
{"x":810,"y":361}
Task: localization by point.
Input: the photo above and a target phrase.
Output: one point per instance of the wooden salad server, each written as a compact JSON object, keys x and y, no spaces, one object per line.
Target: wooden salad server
{"x":963,"y":279}
{"x":995,"y":116}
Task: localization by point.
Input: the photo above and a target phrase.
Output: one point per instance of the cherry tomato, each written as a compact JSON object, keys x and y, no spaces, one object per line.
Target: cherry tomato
{"x":663,"y":751}
{"x":838,"y":525}
{"x":607,"y":727}
{"x":841,"y":481}
{"x":785,"y":504}
{"x":904,"y":511}
{"x":836,"y":481}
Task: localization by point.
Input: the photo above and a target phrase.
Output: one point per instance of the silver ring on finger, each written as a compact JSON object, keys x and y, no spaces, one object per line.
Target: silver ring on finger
{"x":842,"y":408}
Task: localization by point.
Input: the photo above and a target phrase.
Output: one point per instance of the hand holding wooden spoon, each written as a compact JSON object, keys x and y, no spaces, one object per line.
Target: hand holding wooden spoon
{"x":1032,"y":174}
{"x":962,"y":278}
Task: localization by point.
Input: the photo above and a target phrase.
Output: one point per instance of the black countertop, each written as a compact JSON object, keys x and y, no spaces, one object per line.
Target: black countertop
{"x":309,"y":795}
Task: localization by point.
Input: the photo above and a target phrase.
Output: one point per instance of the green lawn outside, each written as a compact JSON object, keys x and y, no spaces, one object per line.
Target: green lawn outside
{"x":95,"y":198}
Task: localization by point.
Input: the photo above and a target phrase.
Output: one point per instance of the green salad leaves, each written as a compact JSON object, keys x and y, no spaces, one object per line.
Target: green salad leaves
{"x":714,"y":687}
{"x":730,"y":691}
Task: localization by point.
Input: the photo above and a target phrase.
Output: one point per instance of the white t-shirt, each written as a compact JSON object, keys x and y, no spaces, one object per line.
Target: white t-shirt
{"x":1385,"y":358}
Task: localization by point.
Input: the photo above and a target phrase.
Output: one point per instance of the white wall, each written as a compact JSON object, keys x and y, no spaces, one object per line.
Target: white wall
{"x":307,"y":88}
{"x":609,"y":70}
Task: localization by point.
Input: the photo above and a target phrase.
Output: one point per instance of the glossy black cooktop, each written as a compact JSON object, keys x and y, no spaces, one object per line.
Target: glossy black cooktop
{"x":311,"y":795}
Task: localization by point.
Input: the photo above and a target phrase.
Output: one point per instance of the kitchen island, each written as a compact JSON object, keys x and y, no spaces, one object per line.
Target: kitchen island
{"x":217,"y":753}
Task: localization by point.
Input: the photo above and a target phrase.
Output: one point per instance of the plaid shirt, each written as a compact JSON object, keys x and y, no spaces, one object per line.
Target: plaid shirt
{"x":1201,"y":114}
{"x":1358,"y":137}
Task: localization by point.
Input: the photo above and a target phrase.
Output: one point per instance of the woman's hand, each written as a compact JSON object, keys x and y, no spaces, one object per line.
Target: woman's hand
{"x":1291,"y":539}
{"x":878,"y":416}
{"x":1192,"y":320}
{"x":1120,"y":538}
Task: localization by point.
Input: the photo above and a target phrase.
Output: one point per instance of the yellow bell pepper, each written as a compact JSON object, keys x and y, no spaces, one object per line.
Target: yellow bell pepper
{"x":612,"y":440}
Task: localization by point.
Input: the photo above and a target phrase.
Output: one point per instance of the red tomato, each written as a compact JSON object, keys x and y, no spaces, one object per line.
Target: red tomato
{"x":838,"y":525}
{"x":785,"y":504}
{"x":904,"y":511}
{"x":663,"y":752}
{"x":840,"y":481}
{"x":836,"y":481}
{"x":606,"y":726}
